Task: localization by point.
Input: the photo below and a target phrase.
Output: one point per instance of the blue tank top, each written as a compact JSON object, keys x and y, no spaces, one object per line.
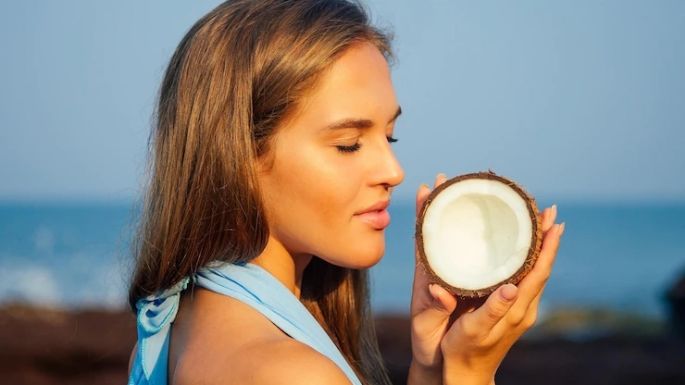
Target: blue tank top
{"x":247,"y":283}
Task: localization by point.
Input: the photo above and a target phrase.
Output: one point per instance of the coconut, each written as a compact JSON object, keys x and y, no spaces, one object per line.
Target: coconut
{"x":476,"y":232}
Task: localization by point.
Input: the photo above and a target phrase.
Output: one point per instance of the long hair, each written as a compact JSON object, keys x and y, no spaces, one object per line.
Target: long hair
{"x":234,"y":78}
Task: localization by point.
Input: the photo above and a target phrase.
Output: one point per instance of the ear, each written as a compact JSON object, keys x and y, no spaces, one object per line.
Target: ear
{"x":264,"y":163}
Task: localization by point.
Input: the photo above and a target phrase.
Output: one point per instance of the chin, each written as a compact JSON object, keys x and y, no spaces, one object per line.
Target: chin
{"x":362,"y":255}
{"x":368,"y":258}
{"x":356,"y":260}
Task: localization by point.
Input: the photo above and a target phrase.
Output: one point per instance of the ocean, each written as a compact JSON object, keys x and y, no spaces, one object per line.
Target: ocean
{"x":618,"y":257}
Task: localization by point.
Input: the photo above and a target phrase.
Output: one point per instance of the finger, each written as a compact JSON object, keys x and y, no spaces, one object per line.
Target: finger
{"x":479,"y":323}
{"x":551,"y":218}
{"x":535,"y":302}
{"x":421,"y":278}
{"x":516,"y":319}
{"x":444,"y":301}
{"x":423,"y":192}
{"x":421,"y":195}
{"x":421,"y":281}
{"x":543,"y":215}
{"x":440,"y":179}
{"x":548,"y":217}
{"x":533,"y":283}
{"x":420,"y":295}
{"x":440,"y":302}
{"x":526,"y":320}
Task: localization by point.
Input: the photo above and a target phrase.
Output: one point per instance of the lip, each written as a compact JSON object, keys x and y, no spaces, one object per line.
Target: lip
{"x":376,"y":215}
{"x":378,"y":206}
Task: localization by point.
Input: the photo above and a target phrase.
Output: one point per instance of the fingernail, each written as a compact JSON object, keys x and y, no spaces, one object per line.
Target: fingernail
{"x":554,"y":208}
{"x":442,"y":175}
{"x":508,"y":292}
{"x":562,"y":228}
{"x":431,"y":289}
{"x":424,"y":186}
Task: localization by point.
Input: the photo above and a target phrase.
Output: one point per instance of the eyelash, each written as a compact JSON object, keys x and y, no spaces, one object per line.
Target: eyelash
{"x":357,"y":146}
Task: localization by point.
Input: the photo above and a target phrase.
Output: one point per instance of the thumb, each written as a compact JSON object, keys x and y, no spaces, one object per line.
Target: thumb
{"x":495,"y":307}
{"x":436,"y":314}
{"x":443,"y":301}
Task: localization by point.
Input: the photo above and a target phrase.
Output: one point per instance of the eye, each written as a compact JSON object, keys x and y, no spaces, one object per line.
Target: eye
{"x":352,"y":148}
{"x":357,"y":146}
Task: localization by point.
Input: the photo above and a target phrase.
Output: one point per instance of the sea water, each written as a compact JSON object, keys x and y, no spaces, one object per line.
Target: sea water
{"x":74,"y":255}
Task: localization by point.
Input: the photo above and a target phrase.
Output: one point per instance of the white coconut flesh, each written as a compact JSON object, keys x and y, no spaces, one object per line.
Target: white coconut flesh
{"x":476,"y":233}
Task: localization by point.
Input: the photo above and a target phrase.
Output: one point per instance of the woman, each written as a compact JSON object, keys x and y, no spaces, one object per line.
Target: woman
{"x":270,"y":171}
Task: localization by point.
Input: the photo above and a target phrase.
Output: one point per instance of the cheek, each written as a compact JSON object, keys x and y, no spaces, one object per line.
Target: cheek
{"x":313,"y":196}
{"x":314,"y":192}
{"x":320,"y":183}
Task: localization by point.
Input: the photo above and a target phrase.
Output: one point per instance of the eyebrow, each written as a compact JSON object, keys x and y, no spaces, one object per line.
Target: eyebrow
{"x":360,"y":123}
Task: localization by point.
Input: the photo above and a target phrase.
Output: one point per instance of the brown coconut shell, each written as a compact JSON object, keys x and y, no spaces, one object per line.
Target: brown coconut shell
{"x":533,"y":251}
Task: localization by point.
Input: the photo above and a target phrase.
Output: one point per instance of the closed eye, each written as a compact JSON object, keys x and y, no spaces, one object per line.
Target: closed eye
{"x":355,"y":147}
{"x":352,"y":148}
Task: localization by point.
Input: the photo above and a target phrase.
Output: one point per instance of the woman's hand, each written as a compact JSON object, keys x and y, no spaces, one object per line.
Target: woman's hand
{"x":466,"y":345}
{"x":431,"y":307}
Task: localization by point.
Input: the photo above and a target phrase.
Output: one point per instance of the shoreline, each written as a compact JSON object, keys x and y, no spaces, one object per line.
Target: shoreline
{"x":53,"y":346}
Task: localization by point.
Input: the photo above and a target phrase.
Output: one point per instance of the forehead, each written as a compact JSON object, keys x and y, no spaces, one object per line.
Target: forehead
{"x":357,"y":85}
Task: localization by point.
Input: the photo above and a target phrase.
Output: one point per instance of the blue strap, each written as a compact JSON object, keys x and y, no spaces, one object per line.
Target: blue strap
{"x":247,"y":283}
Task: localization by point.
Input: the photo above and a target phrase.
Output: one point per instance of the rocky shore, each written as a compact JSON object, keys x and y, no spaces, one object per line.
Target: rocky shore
{"x":44,"y":346}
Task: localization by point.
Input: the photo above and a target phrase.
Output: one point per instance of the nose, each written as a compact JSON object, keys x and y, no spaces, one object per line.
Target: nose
{"x":389,"y":170}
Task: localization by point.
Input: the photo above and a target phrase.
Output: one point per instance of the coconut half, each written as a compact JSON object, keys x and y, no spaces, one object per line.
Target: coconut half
{"x":477,"y":232}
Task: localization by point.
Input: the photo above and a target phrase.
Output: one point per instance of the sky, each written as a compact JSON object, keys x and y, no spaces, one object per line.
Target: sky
{"x":581,"y":100}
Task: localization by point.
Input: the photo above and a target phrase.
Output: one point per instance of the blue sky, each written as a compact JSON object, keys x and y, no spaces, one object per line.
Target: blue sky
{"x":575,"y":100}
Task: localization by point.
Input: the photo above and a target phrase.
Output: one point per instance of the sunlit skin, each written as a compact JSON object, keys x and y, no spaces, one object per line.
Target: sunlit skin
{"x":320,"y":179}
{"x":322,"y":176}
{"x":470,"y":349}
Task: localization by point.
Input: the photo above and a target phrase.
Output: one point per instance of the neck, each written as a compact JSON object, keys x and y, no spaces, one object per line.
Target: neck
{"x":286,"y":267}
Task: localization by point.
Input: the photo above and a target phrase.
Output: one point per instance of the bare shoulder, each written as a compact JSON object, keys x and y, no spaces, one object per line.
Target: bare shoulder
{"x":292,"y":362}
{"x":238,"y":345}
{"x":296,"y":363}
{"x":266,"y":362}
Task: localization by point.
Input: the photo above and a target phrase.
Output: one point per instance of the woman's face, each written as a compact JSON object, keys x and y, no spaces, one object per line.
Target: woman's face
{"x":332,"y":160}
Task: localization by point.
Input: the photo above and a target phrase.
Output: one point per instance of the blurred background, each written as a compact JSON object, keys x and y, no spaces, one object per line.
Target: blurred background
{"x":582,"y":102}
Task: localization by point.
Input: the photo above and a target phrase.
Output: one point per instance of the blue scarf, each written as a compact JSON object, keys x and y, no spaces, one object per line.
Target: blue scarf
{"x":247,"y":283}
